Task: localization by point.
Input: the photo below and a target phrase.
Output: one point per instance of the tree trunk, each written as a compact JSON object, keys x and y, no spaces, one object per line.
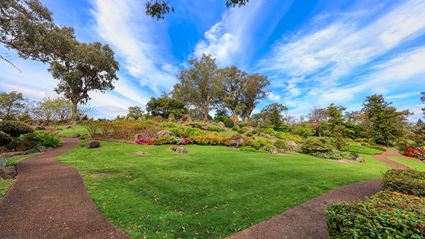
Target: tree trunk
{"x":206,"y":111}
{"x":74,"y":116}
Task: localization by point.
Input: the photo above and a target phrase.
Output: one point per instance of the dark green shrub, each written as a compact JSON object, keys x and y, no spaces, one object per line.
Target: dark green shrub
{"x":27,"y":141}
{"x":303,"y":131}
{"x":235,"y":128}
{"x":5,"y":139}
{"x":240,"y":131}
{"x":405,"y":181}
{"x":316,"y":145}
{"x":229,"y":123}
{"x":221,"y":118}
{"x":385,"y":215}
{"x":15,"y":128}
{"x":214,"y":128}
{"x":247,"y":149}
{"x":249,"y":134}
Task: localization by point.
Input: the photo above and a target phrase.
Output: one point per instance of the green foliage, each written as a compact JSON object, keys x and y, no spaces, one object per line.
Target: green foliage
{"x":165,"y":106}
{"x":336,"y":126}
{"x":272,"y":114}
{"x":303,"y":131}
{"x":241,"y":131}
{"x":229,"y":123}
{"x":199,"y":85}
{"x":281,"y":145}
{"x":315,"y":145}
{"x":48,"y":140}
{"x":135,"y":112}
{"x":405,"y":181}
{"x":221,"y":118}
{"x":259,"y":143}
{"x":52,"y":110}
{"x":248,"y":149}
{"x":5,"y":139}
{"x":11,"y":105}
{"x":385,"y":215}
{"x":15,"y":128}
{"x":166,"y":140}
{"x":385,"y":123}
{"x":184,"y":132}
{"x":270,"y":131}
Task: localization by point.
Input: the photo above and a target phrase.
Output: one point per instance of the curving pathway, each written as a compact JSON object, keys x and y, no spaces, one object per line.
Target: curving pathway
{"x":49,"y":200}
{"x":308,"y":219}
{"x":393,"y":164}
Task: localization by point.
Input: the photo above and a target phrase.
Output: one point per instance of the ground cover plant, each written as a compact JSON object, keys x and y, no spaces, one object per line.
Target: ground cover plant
{"x":73,"y":130}
{"x":385,"y":215}
{"x":405,"y":181}
{"x":411,"y":163}
{"x":211,"y":192}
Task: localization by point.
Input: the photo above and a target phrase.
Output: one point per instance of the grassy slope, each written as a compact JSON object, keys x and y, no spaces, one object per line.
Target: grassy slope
{"x":209,"y":193}
{"x":75,"y":129}
{"x":363,"y":149}
{"x":420,"y":166}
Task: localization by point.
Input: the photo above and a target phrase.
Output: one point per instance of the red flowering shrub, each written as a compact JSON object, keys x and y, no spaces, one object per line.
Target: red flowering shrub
{"x":185,"y":141}
{"x":415,"y":152}
{"x":147,"y":141}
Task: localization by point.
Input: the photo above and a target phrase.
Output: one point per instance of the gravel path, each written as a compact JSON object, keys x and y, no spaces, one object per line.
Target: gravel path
{"x":49,"y":200}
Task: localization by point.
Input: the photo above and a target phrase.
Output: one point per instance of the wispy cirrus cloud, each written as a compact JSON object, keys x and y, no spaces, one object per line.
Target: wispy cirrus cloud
{"x":231,"y":40}
{"x":137,"y":40}
{"x":340,"y":58}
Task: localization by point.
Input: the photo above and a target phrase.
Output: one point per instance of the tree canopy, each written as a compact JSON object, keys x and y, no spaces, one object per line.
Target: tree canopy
{"x":11,"y":105}
{"x":159,"y":8}
{"x":165,"y":106}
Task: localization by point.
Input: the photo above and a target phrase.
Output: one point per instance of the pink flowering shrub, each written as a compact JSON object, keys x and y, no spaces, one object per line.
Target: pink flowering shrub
{"x":185,"y":141}
{"x":144,"y":140}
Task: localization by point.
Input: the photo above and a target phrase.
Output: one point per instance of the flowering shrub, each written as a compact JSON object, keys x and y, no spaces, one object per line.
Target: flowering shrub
{"x":405,"y":181}
{"x":415,"y":152}
{"x":144,"y":140}
{"x":384,"y":215}
{"x":184,"y":141}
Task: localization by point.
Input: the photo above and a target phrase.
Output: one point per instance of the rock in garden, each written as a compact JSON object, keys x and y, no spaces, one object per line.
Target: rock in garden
{"x":204,"y":127}
{"x":179,"y":149}
{"x":93,"y":144}
{"x":2,"y":164}
{"x":164,"y":133}
{"x":31,"y":151}
{"x":360,"y":159}
{"x":41,"y":149}
{"x":77,"y":135}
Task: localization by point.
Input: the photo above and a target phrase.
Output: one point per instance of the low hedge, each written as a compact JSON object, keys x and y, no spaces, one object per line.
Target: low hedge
{"x":385,"y":215}
{"x":15,"y":128}
{"x":5,"y":139}
{"x":405,"y":181}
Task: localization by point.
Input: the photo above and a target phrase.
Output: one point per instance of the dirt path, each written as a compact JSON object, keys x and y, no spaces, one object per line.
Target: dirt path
{"x":48,"y":200}
{"x":384,"y":158}
{"x":308,"y":219}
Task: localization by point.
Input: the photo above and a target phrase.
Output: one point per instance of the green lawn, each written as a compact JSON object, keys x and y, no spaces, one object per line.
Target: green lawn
{"x":420,"y":166}
{"x":4,"y":186}
{"x":75,"y":129}
{"x":363,"y":149}
{"x":212,"y":192}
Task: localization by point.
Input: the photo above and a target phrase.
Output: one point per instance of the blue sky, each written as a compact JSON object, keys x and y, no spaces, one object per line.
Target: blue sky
{"x":314,"y":52}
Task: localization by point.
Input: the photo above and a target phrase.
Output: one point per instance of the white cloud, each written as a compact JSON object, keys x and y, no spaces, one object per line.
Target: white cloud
{"x":137,"y":39}
{"x":336,"y":61}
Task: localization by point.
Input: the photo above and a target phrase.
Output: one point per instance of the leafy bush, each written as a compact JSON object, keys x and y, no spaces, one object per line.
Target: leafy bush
{"x":207,"y":139}
{"x":314,"y":145}
{"x":48,"y":140}
{"x":184,"y":141}
{"x":15,"y":128}
{"x":235,"y":128}
{"x":105,"y":128}
{"x":281,"y":145}
{"x":229,"y":123}
{"x":91,"y":126}
{"x":166,"y":140}
{"x":33,"y":140}
{"x":185,"y":132}
{"x":5,"y":139}
{"x":259,"y":143}
{"x":303,"y":131}
{"x":247,"y":149}
{"x":405,"y":181}
{"x":385,"y":215}
{"x":270,"y":148}
{"x":221,"y":118}
{"x":240,"y":131}
{"x":270,"y":131}
{"x":214,"y":128}
{"x":236,"y":140}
